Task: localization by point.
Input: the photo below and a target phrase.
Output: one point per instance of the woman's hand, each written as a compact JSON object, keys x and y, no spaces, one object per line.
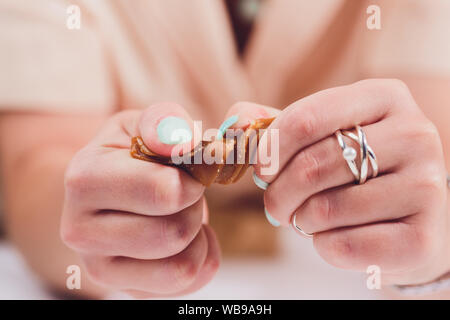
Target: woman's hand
{"x":138,"y":226}
{"x":398,"y":220}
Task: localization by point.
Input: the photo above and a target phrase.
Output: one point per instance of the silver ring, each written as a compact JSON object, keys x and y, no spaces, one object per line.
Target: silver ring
{"x":299,"y":230}
{"x":349,"y":155}
{"x":372,"y":157}
{"x":366,"y":154}
{"x":363,"y":154}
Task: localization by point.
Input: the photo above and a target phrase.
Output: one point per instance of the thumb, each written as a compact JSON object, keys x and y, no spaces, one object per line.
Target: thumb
{"x":244,"y":113}
{"x":164,"y":126}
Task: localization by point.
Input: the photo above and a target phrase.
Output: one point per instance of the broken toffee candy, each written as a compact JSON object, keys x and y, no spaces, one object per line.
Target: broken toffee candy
{"x":232,"y":156}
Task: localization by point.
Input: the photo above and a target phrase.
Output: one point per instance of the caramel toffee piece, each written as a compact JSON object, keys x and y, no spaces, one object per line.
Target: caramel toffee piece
{"x":228,"y":165}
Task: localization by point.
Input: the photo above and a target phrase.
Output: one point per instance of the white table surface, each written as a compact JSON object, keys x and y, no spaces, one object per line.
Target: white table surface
{"x":298,"y":273}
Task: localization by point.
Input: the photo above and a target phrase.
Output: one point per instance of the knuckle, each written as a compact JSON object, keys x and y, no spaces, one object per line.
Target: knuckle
{"x":212,"y":264}
{"x":343,"y":247}
{"x":72,"y":236}
{"x":430,"y":186}
{"x":422,"y":240}
{"x":394,"y":90}
{"x":322,"y":210}
{"x":303,"y":125}
{"x":174,"y":193}
{"x":176,"y":236}
{"x":432,"y":182}
{"x":422,"y":131}
{"x":184,"y":271}
{"x":68,"y":235}
{"x":76,"y":178}
{"x":96,"y":269}
{"x":169,"y":192}
{"x":402,"y":95}
{"x":429,"y":136}
{"x":238,"y":106}
{"x":73,"y":178}
{"x":422,"y":136}
{"x":309,"y":165}
{"x":396,"y":87}
{"x":338,"y":250}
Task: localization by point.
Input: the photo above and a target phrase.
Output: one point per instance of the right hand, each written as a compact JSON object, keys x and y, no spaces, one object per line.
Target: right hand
{"x":139,"y":227}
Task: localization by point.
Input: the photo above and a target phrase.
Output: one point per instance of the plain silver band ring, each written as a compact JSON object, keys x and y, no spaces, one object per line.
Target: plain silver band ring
{"x":298,"y":229}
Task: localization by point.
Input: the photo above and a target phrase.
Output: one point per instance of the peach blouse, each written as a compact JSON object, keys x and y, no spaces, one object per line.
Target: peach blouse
{"x":128,"y":54}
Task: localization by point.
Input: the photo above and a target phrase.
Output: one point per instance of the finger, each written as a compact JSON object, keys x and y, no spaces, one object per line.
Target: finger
{"x":115,"y":233}
{"x":163,"y":276}
{"x":109,"y":179}
{"x":316,"y":117}
{"x":393,"y":246}
{"x":162,"y":126}
{"x":246,"y":112}
{"x":118,"y":130}
{"x":206,"y":273}
{"x":321,"y":166}
{"x":211,"y":264}
{"x":205,"y":218}
{"x":381,"y":199}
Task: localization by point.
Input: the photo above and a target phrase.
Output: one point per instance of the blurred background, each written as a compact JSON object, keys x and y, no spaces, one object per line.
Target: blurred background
{"x":78,"y":62}
{"x":300,"y":274}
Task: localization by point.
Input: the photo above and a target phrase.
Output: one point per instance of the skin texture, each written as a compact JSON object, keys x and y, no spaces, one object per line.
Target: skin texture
{"x":32,"y":168}
{"x":138,"y":226}
{"x":113,"y":222}
{"x":399,"y":220}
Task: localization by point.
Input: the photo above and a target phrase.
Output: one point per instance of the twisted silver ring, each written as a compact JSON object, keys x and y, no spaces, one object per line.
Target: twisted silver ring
{"x":366,"y":154}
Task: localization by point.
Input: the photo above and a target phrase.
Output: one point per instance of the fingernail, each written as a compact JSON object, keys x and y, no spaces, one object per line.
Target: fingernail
{"x":271,"y":219}
{"x":259,"y":183}
{"x":174,"y":130}
{"x":226,"y":125}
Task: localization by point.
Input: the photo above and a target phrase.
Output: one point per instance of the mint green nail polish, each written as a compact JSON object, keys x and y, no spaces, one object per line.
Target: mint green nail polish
{"x":226,"y":125}
{"x":271,"y":219}
{"x":260,"y":183}
{"x":174,"y":130}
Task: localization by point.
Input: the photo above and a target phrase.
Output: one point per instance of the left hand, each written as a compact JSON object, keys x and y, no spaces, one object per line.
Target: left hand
{"x":397,"y":220}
